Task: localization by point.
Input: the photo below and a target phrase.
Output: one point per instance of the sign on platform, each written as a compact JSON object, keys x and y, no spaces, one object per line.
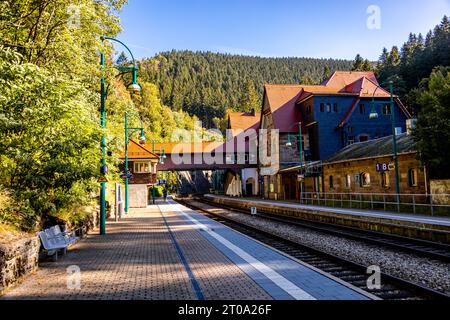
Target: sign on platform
{"x":383,"y":167}
{"x":253,"y":211}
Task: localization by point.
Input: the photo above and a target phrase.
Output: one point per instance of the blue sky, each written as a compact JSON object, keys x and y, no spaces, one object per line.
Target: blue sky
{"x":319,"y":28}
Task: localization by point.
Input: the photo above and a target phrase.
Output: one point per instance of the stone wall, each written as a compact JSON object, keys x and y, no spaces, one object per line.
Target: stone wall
{"x":441,"y":190}
{"x":18,"y":257}
{"x":19,"y":252}
{"x":354,"y":168}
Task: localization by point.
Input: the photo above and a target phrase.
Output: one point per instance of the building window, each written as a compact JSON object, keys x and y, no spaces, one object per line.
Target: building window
{"x":322,"y":107}
{"x":331,"y":183}
{"x":412,"y":177}
{"x":365,"y":180}
{"x":362,"y":109}
{"x":350,"y":129}
{"x":335,"y":107}
{"x":363,"y":138}
{"x":385,"y":180}
{"x":230,"y":158}
{"x":142,"y":167}
{"x":351,"y":140}
{"x":348,"y":181}
{"x":308,"y":109}
{"x":387,"y":109}
{"x":328,"y":107}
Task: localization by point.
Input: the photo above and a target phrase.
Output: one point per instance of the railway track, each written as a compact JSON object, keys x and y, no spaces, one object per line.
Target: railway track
{"x":393,"y":288}
{"x":423,"y":248}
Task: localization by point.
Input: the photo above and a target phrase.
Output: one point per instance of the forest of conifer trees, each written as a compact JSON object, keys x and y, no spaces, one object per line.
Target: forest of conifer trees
{"x":207,"y":84}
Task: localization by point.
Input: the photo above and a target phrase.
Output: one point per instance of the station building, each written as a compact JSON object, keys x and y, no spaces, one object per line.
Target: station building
{"x":367,"y":167}
{"x":332,"y":115}
{"x":245,"y":181}
{"x":142,"y":164}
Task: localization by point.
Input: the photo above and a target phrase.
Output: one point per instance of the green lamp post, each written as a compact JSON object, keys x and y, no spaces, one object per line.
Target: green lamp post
{"x":289,"y":144}
{"x":126,"y":170}
{"x":134,"y":87}
{"x":162,"y":157}
{"x":374,"y":115}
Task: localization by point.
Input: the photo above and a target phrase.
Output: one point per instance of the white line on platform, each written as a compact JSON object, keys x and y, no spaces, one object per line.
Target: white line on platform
{"x":292,"y":289}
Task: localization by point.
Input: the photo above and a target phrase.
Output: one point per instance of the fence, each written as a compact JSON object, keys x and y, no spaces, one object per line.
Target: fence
{"x":438,"y":204}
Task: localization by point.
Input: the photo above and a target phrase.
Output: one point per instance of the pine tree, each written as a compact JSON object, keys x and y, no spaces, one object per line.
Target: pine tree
{"x":206,"y":84}
{"x":326,"y":73}
{"x":122,"y":59}
{"x":432,"y":133}
{"x":358,"y":64}
{"x":249,"y":100}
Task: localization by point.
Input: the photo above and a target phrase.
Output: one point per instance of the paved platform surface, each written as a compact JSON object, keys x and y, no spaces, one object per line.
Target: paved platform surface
{"x":423,"y":219}
{"x":169,"y":252}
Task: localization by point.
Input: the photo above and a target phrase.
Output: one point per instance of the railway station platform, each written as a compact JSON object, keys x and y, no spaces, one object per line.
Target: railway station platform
{"x":431,"y":228}
{"x":169,"y":252}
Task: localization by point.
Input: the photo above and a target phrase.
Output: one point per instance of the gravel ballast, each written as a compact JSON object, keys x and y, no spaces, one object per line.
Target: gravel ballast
{"x":430,"y":273}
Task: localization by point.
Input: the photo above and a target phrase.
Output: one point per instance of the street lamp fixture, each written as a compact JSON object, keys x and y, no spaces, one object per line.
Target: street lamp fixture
{"x":289,"y":144}
{"x":300,"y":136}
{"x":142,"y":141}
{"x":162,"y":157}
{"x":373,"y":112}
{"x":135,"y":88}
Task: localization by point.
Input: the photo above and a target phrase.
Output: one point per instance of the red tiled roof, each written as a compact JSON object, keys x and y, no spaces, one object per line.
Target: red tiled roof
{"x":364,"y":85}
{"x":341,"y":79}
{"x":137,"y":151}
{"x":244,"y":121}
{"x":283,"y":98}
{"x":282,"y":102}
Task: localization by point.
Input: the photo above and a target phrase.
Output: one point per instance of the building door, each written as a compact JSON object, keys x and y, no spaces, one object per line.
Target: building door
{"x":249,"y":187}
{"x":249,"y":190}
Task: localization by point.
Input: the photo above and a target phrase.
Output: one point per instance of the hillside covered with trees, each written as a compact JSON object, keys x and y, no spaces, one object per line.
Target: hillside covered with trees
{"x":206,"y":84}
{"x":421,"y":74}
{"x":415,"y":61}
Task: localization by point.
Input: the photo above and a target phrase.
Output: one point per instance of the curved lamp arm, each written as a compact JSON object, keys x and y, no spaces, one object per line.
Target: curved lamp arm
{"x":103,"y":38}
{"x":134,"y":87}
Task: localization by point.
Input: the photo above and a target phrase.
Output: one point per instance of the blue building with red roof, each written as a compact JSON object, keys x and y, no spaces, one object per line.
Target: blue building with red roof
{"x":333,"y":115}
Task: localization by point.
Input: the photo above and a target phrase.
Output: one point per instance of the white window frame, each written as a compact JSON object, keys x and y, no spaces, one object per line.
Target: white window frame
{"x":137,"y":167}
{"x":365,"y":183}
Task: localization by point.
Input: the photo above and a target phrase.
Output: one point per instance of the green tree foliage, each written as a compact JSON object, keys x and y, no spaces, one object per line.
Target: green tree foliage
{"x":249,"y":100}
{"x":326,"y":74}
{"x":432,"y":133}
{"x":48,"y":139}
{"x":361,"y":65}
{"x":415,"y":61}
{"x":206,"y":84}
{"x":159,"y":120}
{"x":49,"y":99}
